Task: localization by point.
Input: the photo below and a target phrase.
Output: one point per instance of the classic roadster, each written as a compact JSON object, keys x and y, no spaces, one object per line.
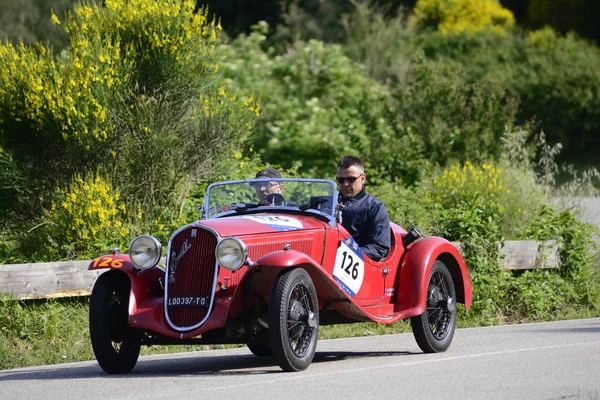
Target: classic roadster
{"x":268,"y":273}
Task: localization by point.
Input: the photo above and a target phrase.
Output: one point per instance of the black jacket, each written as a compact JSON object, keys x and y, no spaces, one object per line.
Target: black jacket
{"x":366,"y":219}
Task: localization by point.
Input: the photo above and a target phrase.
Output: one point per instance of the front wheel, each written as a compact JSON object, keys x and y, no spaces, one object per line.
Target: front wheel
{"x":260,"y":349}
{"x":116,"y":345}
{"x":293,"y":320}
{"x":434,"y":329}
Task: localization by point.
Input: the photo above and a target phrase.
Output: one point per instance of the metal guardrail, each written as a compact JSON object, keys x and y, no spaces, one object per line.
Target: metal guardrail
{"x":72,"y":278}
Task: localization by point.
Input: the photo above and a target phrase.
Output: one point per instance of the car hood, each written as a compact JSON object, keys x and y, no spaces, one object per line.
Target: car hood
{"x":261,"y":223}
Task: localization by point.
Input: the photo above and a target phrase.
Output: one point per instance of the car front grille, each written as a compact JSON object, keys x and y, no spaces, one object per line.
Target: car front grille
{"x":190,"y":277}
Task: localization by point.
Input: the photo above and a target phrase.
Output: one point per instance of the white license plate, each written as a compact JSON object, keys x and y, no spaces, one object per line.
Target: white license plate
{"x":188,"y":301}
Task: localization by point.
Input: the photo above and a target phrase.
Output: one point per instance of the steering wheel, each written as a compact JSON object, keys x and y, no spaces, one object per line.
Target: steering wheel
{"x":275,"y":199}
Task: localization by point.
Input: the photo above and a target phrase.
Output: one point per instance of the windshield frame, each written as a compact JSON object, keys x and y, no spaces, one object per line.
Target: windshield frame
{"x":330,"y":217}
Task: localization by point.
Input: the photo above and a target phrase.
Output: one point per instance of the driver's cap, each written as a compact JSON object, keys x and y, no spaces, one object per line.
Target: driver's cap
{"x":268,"y":173}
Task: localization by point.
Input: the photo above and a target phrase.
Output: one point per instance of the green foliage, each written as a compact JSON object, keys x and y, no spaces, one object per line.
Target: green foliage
{"x":574,"y":238}
{"x":558,"y":83}
{"x":457,"y":16}
{"x":29,"y":21}
{"x":405,"y":205}
{"x":552,"y":76}
{"x":573,"y":287}
{"x":475,"y":222}
{"x":501,"y":296}
{"x":45,"y":332}
{"x":317,"y":105}
{"x":515,"y":191}
{"x":139,"y":78}
{"x":452,"y":119}
{"x":372,"y":39}
{"x":481,"y":205}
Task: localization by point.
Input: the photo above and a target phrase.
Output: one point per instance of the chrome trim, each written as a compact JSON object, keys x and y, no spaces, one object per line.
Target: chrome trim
{"x":244,"y":251}
{"x":214,"y":284}
{"x":158,"y":256}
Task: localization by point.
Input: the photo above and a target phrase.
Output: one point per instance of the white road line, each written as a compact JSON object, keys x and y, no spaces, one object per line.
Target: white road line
{"x":302,"y":376}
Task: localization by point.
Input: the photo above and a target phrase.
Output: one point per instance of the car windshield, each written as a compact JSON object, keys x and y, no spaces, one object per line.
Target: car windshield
{"x":234,"y":197}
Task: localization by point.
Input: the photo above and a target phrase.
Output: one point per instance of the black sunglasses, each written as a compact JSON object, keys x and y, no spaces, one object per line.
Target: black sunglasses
{"x":266,"y":185}
{"x":351,"y":179}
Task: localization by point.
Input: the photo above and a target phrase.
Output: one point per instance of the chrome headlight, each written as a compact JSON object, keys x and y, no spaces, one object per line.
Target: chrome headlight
{"x":145,"y":251}
{"x":231,"y":253}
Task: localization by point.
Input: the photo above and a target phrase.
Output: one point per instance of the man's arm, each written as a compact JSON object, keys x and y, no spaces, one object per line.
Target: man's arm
{"x":378,"y":235}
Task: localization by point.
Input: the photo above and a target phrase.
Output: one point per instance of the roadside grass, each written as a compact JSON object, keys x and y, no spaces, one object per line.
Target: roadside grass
{"x":56,"y":331}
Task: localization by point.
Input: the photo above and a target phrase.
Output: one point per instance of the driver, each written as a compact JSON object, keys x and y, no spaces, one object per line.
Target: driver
{"x":263,"y":189}
{"x":364,"y":216}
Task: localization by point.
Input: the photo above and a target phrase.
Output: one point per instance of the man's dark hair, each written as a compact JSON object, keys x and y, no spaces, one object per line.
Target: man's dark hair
{"x":348,"y":161}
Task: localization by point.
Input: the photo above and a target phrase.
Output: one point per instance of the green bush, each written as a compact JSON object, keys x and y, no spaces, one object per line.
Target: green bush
{"x":317,"y":105}
{"x":378,"y":42}
{"x":558,"y":83}
{"x":452,"y":120}
{"x":138,"y":78}
{"x":552,"y":76}
{"x":481,"y":206}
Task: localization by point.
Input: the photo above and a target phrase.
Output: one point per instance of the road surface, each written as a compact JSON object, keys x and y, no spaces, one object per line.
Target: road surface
{"x":555,"y":360}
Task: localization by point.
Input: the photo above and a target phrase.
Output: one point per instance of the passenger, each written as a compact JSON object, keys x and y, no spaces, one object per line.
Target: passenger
{"x":263,"y":189}
{"x":364,"y":216}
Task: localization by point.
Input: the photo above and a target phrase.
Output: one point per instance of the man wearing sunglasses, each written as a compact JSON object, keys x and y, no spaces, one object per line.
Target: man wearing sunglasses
{"x":263,"y":189}
{"x":364,"y":216}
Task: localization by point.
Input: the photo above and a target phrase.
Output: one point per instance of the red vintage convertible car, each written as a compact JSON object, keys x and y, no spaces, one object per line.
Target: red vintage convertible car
{"x":269,"y":276}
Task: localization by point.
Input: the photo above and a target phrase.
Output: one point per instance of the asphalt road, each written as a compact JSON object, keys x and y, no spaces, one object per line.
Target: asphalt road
{"x":555,"y":360}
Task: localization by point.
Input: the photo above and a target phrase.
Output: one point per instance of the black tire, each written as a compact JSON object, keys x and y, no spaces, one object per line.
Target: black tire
{"x":294,"y":320}
{"x":260,"y":349}
{"x":434,"y":329}
{"x":116,"y":345}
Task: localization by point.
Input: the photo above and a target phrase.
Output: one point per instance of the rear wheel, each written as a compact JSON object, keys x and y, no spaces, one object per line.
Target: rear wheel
{"x":294,"y":320}
{"x":434,"y":329}
{"x":116,"y":345}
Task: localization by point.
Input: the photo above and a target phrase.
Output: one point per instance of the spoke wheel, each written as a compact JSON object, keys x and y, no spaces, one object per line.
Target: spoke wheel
{"x":116,"y":345}
{"x":294,"y":320}
{"x":434,"y":329}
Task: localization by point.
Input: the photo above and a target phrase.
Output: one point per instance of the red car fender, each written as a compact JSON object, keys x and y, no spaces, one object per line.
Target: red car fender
{"x":415,"y":269}
{"x":285,"y":259}
{"x":273,"y":263}
{"x":144,"y":284}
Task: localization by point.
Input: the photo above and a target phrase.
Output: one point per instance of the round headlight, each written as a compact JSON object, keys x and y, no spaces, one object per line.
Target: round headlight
{"x":231,"y":253}
{"x":145,"y":251}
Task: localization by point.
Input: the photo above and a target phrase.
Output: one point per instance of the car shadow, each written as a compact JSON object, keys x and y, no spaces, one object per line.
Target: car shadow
{"x":186,"y":366}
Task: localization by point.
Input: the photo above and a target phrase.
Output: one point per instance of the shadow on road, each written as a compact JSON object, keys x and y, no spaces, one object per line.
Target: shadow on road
{"x":587,"y":329}
{"x":186,"y":366}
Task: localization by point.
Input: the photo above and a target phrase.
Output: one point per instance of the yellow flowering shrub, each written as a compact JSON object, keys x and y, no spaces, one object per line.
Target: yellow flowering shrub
{"x":116,"y":47}
{"x":166,"y":39}
{"x":460,"y":181}
{"x":515,"y":192}
{"x":88,"y":217}
{"x":65,"y":99}
{"x":458,"y":16}
{"x":139,"y":77}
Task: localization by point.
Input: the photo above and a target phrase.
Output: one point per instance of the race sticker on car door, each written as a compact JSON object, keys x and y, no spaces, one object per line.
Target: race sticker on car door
{"x":349,"y":268}
{"x":277,"y":222}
